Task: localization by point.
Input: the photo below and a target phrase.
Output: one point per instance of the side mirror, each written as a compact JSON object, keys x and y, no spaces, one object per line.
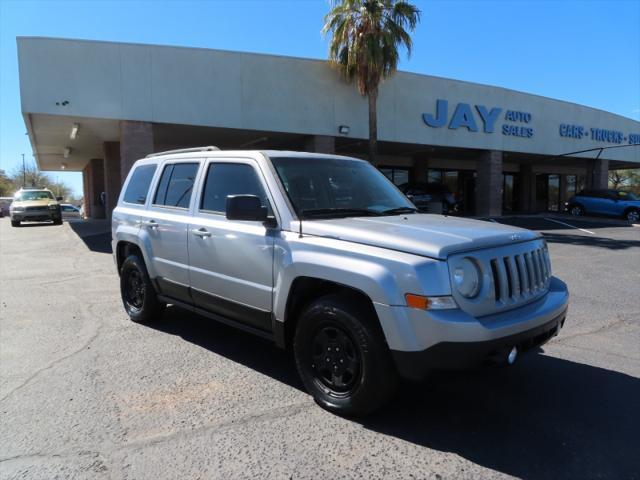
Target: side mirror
{"x":59,"y":199}
{"x":246,"y":207}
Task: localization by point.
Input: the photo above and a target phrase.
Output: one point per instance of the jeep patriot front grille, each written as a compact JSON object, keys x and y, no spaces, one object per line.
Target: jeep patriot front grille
{"x":520,"y":276}
{"x":512,"y":276}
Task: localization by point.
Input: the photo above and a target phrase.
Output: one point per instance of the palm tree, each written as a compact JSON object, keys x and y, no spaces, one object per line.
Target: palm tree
{"x":365,"y":38}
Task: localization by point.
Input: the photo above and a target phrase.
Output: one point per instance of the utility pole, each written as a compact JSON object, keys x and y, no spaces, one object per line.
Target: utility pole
{"x":24,"y":173}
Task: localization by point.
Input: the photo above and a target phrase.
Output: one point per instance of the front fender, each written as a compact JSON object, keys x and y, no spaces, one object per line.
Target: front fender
{"x":382,"y":275}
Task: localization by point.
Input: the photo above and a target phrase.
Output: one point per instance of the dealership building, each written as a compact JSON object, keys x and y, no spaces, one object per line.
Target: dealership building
{"x":97,"y":107}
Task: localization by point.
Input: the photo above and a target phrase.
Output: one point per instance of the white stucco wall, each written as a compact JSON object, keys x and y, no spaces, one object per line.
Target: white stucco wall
{"x":263,"y":92}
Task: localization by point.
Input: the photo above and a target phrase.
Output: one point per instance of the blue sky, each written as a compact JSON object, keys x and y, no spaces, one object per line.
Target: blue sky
{"x":586,"y":52}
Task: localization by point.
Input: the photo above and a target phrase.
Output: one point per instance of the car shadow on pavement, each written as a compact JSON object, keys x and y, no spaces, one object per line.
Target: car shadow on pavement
{"x":95,"y":235}
{"x":591,"y":241}
{"x":37,"y":224}
{"x":543,"y":418}
{"x":249,"y":350}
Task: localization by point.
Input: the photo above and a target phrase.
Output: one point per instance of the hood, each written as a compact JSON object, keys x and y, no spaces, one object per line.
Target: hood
{"x":35,"y":203}
{"x":434,"y":236}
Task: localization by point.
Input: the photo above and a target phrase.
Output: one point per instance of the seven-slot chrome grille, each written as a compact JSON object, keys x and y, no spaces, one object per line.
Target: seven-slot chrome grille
{"x":521,"y":275}
{"x":511,"y":276}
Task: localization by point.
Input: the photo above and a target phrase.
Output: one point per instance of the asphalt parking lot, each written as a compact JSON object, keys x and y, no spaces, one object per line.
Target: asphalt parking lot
{"x":85,"y":393}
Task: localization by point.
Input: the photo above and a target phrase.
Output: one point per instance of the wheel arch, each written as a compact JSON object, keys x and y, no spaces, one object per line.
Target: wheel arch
{"x":124,"y":248}
{"x":304,"y":290}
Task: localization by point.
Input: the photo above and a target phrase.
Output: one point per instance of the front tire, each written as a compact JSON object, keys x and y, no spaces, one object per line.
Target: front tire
{"x":139,"y":297}
{"x":57,"y":221}
{"x":342,"y":357}
{"x":15,"y":223}
{"x":633,"y":215}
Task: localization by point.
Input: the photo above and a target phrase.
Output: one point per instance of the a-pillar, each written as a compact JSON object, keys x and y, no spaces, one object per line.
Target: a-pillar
{"x":93,"y":200}
{"x":599,"y":174}
{"x":136,"y":142}
{"x":112,"y":180}
{"x":321,"y":144}
{"x":489,"y":184}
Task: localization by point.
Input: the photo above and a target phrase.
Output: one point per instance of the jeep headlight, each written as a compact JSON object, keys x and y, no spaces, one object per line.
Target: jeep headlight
{"x":467,"y":277}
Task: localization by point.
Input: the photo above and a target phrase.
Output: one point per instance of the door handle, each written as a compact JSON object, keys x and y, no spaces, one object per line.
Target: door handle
{"x":201,"y":232}
{"x":149,"y":223}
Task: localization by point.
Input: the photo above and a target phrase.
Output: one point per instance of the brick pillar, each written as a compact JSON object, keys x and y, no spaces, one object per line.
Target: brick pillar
{"x":86,"y":189}
{"x":598,"y":174}
{"x":489,"y":184}
{"x":527,"y":189}
{"x":321,"y":144}
{"x":136,"y":142}
{"x":112,"y":180}
{"x":420,"y":167}
{"x":96,"y":187}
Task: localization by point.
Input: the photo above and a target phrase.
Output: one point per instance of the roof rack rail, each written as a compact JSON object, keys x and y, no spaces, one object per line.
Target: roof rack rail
{"x":210,"y":148}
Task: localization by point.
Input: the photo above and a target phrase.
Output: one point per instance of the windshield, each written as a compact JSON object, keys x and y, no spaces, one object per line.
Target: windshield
{"x":627,"y":196}
{"x":335,"y":187}
{"x":33,"y":195}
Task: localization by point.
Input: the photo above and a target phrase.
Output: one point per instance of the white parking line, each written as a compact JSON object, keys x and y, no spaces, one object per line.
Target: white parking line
{"x":567,"y":225}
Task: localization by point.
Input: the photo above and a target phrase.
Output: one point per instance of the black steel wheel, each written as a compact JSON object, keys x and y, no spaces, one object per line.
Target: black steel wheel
{"x":138,"y":294}
{"x":342,"y":357}
{"x":336,"y":358}
{"x":134,"y":291}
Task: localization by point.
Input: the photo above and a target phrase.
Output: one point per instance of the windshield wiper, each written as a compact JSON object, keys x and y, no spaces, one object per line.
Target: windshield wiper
{"x":339,"y":212}
{"x":399,"y":210}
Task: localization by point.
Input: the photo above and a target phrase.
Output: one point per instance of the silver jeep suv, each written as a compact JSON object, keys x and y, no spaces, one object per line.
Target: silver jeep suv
{"x":322,"y":254}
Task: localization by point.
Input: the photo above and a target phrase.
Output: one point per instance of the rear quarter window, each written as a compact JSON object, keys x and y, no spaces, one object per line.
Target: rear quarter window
{"x":138,"y":186}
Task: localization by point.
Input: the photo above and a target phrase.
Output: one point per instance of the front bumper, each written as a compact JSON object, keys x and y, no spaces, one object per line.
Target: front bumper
{"x":36,"y":216}
{"x":424,"y":340}
{"x":461,"y":355}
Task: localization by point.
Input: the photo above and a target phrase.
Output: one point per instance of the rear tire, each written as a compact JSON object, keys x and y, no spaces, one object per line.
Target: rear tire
{"x":576,"y":210}
{"x":342,"y":357}
{"x":139,"y":297}
{"x":57,"y":221}
{"x":15,"y":223}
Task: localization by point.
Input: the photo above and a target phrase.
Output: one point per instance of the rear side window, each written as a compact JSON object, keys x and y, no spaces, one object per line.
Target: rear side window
{"x":225,"y":179}
{"x":139,"y":184}
{"x":176,"y":185}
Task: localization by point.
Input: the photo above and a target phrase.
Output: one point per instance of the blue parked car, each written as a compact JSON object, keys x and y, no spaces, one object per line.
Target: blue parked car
{"x":606,"y":202}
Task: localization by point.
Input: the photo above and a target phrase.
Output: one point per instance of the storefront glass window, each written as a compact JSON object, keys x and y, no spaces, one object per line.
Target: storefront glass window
{"x":510,"y":192}
{"x":570,"y":186}
{"x":553,"y":204}
{"x":434,"y":176}
{"x":397,"y":175}
{"x":451,"y":180}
